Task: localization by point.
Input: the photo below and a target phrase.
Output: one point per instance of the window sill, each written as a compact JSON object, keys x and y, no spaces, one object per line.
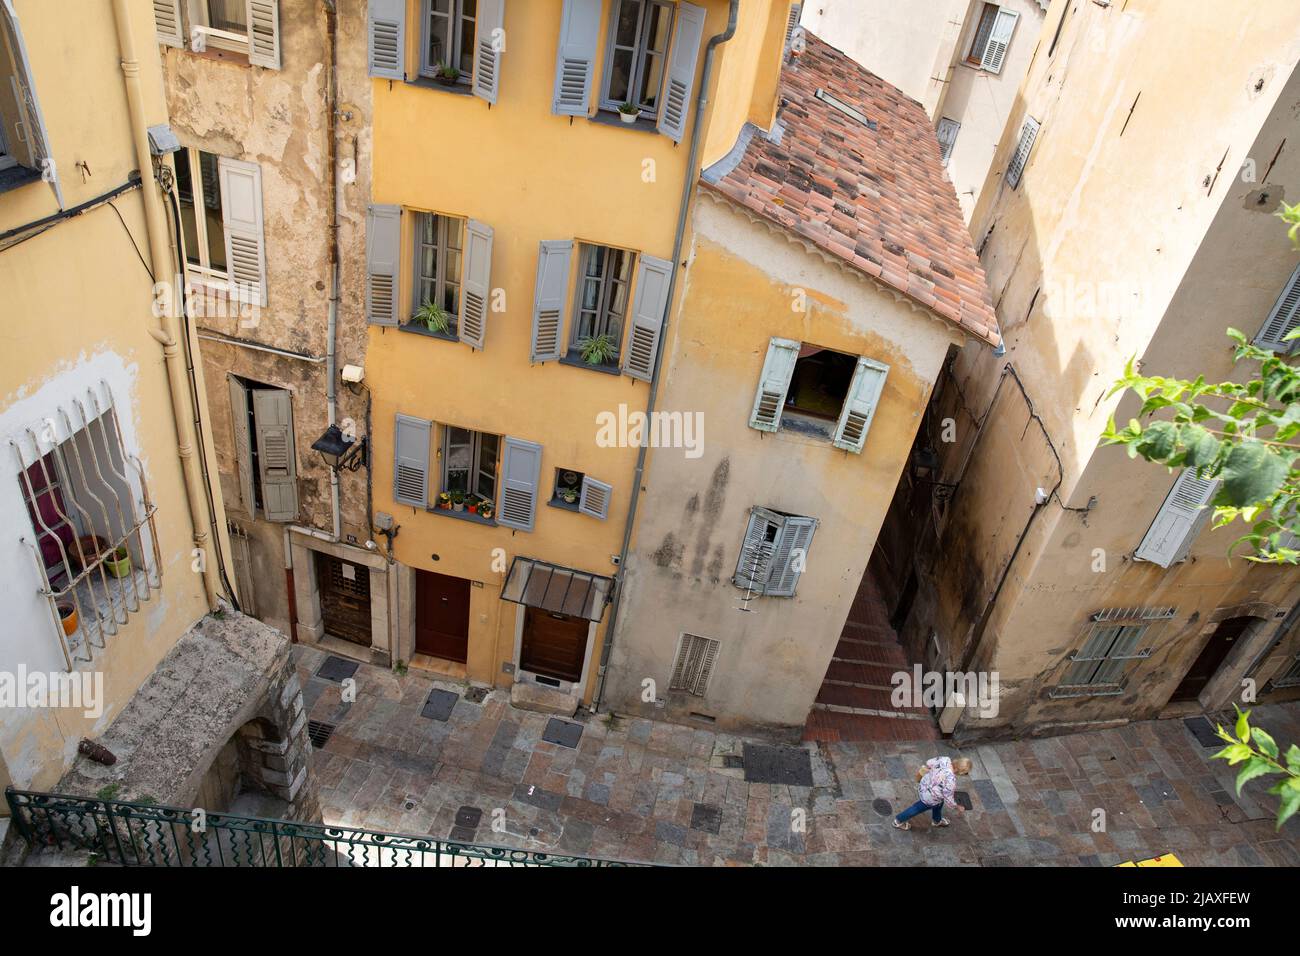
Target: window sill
{"x":428,"y":333}
{"x":807,"y":426}
{"x":1083,"y":690}
{"x":611,"y":118}
{"x":15,"y":177}
{"x":572,"y":358}
{"x":427,"y":83}
{"x":564,"y":505}
{"x":463,"y":516}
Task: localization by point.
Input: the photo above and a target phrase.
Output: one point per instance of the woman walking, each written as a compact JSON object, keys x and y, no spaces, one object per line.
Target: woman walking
{"x":937,"y":785}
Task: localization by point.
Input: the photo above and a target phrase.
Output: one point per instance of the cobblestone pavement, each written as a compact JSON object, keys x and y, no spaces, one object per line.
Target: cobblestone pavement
{"x":642,"y":790}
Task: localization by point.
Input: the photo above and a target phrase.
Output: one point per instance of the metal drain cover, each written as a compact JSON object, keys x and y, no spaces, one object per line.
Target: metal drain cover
{"x":562,"y":732}
{"x":476,"y":695}
{"x":337,"y":669}
{"x":439,"y":704}
{"x":882,"y":806}
{"x":706,"y":817}
{"x":318,"y":732}
{"x":787,"y":765}
{"x":1203,"y":731}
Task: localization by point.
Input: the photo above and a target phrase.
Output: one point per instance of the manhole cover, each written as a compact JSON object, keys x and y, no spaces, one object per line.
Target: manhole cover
{"x":337,"y":669}
{"x":318,"y":732}
{"x":562,"y":732}
{"x":706,"y":817}
{"x":1203,"y":731}
{"x":882,"y":806}
{"x":733,"y":762}
{"x":439,"y":704}
{"x":963,"y":799}
{"x":468,"y":817}
{"x":787,"y":765}
{"x":476,"y":695}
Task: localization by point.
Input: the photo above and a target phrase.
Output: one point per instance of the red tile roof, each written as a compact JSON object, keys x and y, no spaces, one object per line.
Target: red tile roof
{"x":876,"y":198}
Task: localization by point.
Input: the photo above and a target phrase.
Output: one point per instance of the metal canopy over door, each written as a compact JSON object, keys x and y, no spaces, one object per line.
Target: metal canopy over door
{"x":553,"y":645}
{"x":344,"y":598}
{"x":1207,"y":663}
{"x":441,"y":616}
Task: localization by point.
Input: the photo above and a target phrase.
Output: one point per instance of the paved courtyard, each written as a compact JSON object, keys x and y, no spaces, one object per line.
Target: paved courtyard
{"x":641,"y":790}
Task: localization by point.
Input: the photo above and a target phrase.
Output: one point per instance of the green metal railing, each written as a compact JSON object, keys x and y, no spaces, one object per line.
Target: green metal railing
{"x":143,"y":834}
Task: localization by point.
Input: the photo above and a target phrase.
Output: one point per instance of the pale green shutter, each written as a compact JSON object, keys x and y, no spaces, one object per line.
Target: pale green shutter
{"x":790,"y":556}
{"x":754,"y":565}
{"x":860,"y":405}
{"x":554,"y":259}
{"x":476,"y":284}
{"x":773,"y":384}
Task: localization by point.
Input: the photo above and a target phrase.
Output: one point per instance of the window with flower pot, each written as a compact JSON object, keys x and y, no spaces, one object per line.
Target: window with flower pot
{"x":469,"y":471}
{"x":575,"y":491}
{"x":435,"y":297}
{"x":600,"y":305}
{"x":637,"y":54}
{"x":447,"y":40}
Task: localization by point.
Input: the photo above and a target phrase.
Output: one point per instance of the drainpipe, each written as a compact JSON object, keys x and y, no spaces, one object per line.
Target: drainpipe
{"x":166,"y":333}
{"x":692,"y":173}
{"x":331,"y":360}
{"x":289,"y":587}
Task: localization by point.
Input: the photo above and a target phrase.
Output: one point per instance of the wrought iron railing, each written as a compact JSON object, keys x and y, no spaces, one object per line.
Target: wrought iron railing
{"x":143,"y":834}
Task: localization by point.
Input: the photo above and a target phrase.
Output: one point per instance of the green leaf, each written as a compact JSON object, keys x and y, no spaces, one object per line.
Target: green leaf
{"x":1255,"y":767}
{"x":1158,"y":441}
{"x":1288,"y":803}
{"x":1202,"y":447}
{"x":1252,"y":474}
{"x":1293,"y":758}
{"x":1243,"y":726}
{"x":1234,"y":754}
{"x":1264,"y":741}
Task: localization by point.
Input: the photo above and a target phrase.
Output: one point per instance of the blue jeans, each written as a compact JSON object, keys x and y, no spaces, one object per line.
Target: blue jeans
{"x":936,"y":811}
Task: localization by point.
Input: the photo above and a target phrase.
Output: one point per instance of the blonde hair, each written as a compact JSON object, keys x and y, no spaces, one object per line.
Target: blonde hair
{"x":961,"y":765}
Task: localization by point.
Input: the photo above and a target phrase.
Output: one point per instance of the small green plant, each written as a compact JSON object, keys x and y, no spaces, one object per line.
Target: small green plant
{"x":1259,"y":751}
{"x":448,"y":73}
{"x":93,"y":858}
{"x":108,"y":792}
{"x":433,"y":317}
{"x":570,"y":495}
{"x":629,"y":109}
{"x":401,"y":668}
{"x":147,"y":801}
{"x":598,"y":349}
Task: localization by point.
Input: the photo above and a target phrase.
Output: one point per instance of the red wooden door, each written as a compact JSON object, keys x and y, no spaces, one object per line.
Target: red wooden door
{"x":553,"y":645}
{"x":441,"y":616}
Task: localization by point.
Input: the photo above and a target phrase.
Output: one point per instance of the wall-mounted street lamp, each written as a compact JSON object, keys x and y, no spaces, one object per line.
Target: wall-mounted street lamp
{"x":339,"y":451}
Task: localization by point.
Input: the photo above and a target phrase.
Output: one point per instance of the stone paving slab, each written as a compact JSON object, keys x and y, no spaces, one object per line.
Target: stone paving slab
{"x":635,"y":789}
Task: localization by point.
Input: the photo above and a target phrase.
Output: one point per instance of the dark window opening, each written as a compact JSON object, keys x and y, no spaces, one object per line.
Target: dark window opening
{"x":820,"y":383}
{"x":568,"y":488}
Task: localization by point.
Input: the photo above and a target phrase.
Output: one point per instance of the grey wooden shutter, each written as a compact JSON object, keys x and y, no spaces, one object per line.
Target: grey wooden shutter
{"x":554,"y":259}
{"x":575,"y":58}
{"x":264,"y":33}
{"x":411,"y":460}
{"x":693,"y":664}
{"x":789,"y":557}
{"x":29,"y":105}
{"x":243,"y":444}
{"x":241,"y":214}
{"x":1170,"y":536}
{"x":521,"y":465}
{"x":168,"y":25}
{"x":773,"y":384}
{"x":792,"y":24}
{"x":383,"y":252}
{"x":1283,"y":319}
{"x":386,"y":38}
{"x":488,"y":46}
{"x":860,"y":405}
{"x":687,"y":35}
{"x":754,"y":565}
{"x":995,"y":51}
{"x":1019,"y":159}
{"x":649,"y":305}
{"x":273,"y":418}
{"x":947,"y":135}
{"x":594,"y":498}
{"x":476,"y":284}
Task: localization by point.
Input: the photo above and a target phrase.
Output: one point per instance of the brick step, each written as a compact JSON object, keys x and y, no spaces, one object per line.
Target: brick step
{"x":890,"y":655}
{"x":862,"y":672}
{"x":863,"y":698}
{"x":834,"y":726}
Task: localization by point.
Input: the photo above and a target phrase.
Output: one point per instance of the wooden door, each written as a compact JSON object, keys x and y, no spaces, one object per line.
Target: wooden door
{"x":441,"y":616}
{"x":344,"y":598}
{"x":553,"y":645}
{"x":1220,"y":644}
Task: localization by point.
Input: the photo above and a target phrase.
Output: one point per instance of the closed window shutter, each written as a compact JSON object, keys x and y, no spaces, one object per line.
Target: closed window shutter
{"x":241,"y":213}
{"x":575,"y":57}
{"x":264,"y":33}
{"x":476,"y":284}
{"x":167,"y":22}
{"x":773,"y":384}
{"x":29,"y":106}
{"x":681,"y":70}
{"x":649,"y":305}
{"x":488,"y":46}
{"x":554,"y":259}
{"x":790,"y":557}
{"x":383,"y":250}
{"x":792,"y":23}
{"x":947,"y":134}
{"x":273,"y":417}
{"x":860,"y":405}
{"x":386,"y":38}
{"x":755,"y":563}
{"x":243,"y":444}
{"x":594,"y":499}
{"x":1283,"y":319}
{"x":521,"y":464}
{"x":1170,"y":535}
{"x":411,"y":460}
{"x":995,"y":51}
{"x":1019,"y":159}
{"x":693,"y":664}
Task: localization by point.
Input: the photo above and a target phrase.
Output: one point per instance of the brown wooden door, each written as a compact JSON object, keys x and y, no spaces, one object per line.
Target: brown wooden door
{"x":441,"y":616}
{"x":553,"y":645}
{"x":344,"y":598}
{"x":1221,"y":643}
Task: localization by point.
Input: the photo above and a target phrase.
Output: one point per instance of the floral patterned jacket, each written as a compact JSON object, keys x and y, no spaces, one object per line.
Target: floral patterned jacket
{"x":939,"y":783}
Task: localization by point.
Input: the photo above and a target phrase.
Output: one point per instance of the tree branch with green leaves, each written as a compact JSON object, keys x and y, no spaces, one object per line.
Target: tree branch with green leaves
{"x":1253,"y":747}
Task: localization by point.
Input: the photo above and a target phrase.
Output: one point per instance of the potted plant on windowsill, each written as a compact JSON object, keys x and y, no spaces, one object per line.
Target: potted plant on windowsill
{"x":458,"y":501}
{"x":68,"y":618}
{"x":629,"y":113}
{"x":444,"y":501}
{"x":598,"y":349}
{"x":569,"y":495}
{"x":119,"y":562}
{"x":485,"y":510}
{"x":447,"y":74}
{"x":433,"y":317}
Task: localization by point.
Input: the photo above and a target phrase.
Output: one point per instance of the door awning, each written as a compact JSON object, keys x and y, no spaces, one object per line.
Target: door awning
{"x":559,"y":590}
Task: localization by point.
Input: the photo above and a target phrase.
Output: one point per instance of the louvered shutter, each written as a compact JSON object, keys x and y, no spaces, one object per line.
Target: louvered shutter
{"x":649,"y":305}
{"x":694,"y":664}
{"x":386,"y":38}
{"x":243,"y":444}
{"x":24,"y":83}
{"x":687,"y":35}
{"x":860,"y":405}
{"x":790,"y":556}
{"x":755,"y":563}
{"x":594,"y":498}
{"x":383,"y":251}
{"x":1016,"y":168}
{"x":773,"y":384}
{"x":476,"y":284}
{"x":995,"y":51}
{"x":554,"y":259}
{"x":241,"y":214}
{"x":276,"y":461}
{"x":1283,"y":319}
{"x":1119,"y":654}
{"x":521,"y":464}
{"x":411,"y":461}
{"x":488,"y":47}
{"x":168,"y":25}
{"x":575,"y":57}
{"x":792,"y":24}
{"x":264,"y":33}
{"x":1170,"y":535}
{"x":947,"y":135}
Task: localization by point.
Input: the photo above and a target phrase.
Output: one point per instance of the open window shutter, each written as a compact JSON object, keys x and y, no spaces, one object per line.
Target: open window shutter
{"x":383,"y":250}
{"x":681,"y":70}
{"x":489,"y":34}
{"x":860,"y":405}
{"x":1170,"y":535}
{"x":1028,"y":133}
{"x":792,"y":23}
{"x":411,"y":461}
{"x":594,"y":499}
{"x":243,"y":446}
{"x":554,"y":259}
{"x":649,"y":304}
{"x":1284,"y":318}
{"x":273,"y":417}
{"x":34,"y":131}
{"x":790,"y":557}
{"x":386,"y":38}
{"x":575,"y":58}
{"x":241,"y":212}
{"x":773,"y":384}
{"x":167,"y":22}
{"x":521,"y":464}
{"x":755,"y":562}
{"x":476,"y":284}
{"x":995,"y":51}
{"x":264,"y":33}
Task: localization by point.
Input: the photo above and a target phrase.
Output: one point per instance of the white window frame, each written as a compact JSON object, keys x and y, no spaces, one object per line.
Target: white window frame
{"x":203,"y":273}
{"x":476,"y":461}
{"x":455,"y":35}
{"x":640,"y":53}
{"x":606,"y":284}
{"x":441,"y":279}
{"x":203,"y":34}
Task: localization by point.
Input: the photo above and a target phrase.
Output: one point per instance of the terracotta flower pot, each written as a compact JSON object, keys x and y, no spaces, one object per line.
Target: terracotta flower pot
{"x":68,"y":617}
